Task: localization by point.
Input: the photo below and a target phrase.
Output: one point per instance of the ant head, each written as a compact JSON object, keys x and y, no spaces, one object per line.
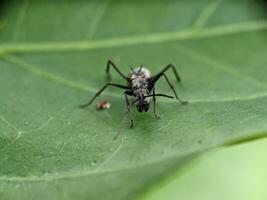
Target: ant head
{"x":142,"y":105}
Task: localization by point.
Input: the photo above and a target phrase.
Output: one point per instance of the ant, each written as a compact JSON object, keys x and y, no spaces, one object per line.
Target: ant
{"x":141,"y":85}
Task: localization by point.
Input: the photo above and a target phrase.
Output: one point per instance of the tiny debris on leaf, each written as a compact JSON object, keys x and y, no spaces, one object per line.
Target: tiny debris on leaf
{"x":102,"y":105}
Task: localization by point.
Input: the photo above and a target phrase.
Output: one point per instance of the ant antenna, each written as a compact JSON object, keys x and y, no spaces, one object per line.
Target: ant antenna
{"x":132,"y":69}
{"x":141,"y":67}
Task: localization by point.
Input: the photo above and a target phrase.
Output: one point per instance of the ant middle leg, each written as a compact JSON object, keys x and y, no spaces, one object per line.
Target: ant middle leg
{"x":126,"y":94}
{"x":110,"y":63}
{"x":101,"y":90}
{"x":154,"y":104}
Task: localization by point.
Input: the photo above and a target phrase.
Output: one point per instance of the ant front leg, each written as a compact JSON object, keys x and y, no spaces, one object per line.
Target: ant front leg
{"x":154,"y":104}
{"x":110,"y":63}
{"x":101,"y":90}
{"x":128,"y":106}
{"x":172,"y":88}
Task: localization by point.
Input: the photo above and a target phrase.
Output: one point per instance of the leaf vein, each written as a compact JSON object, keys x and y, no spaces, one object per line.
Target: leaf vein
{"x":20,"y":18}
{"x":206,"y":13}
{"x":114,"y":153}
{"x":135,"y":40}
{"x":235,"y":141}
{"x":20,"y":132}
{"x":59,"y":80}
{"x":97,"y":19}
{"x":220,"y":66}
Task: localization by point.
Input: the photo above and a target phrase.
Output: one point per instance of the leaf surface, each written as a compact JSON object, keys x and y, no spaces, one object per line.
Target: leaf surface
{"x":53,"y":56}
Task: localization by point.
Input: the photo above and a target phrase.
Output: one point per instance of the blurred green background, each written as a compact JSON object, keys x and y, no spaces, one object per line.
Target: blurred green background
{"x":232,"y":173}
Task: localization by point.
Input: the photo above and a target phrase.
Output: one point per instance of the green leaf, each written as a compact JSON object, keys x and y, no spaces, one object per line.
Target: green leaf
{"x":231,"y":173}
{"x":53,"y":56}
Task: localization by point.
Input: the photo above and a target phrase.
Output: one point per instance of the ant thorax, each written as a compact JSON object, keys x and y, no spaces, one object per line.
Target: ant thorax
{"x":139,"y":82}
{"x":139,"y":77}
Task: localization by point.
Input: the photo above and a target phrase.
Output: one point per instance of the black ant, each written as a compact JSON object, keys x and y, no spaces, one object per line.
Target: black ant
{"x":141,"y":86}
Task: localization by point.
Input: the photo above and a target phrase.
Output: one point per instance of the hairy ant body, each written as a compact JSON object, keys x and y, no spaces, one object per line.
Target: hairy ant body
{"x":141,"y":85}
